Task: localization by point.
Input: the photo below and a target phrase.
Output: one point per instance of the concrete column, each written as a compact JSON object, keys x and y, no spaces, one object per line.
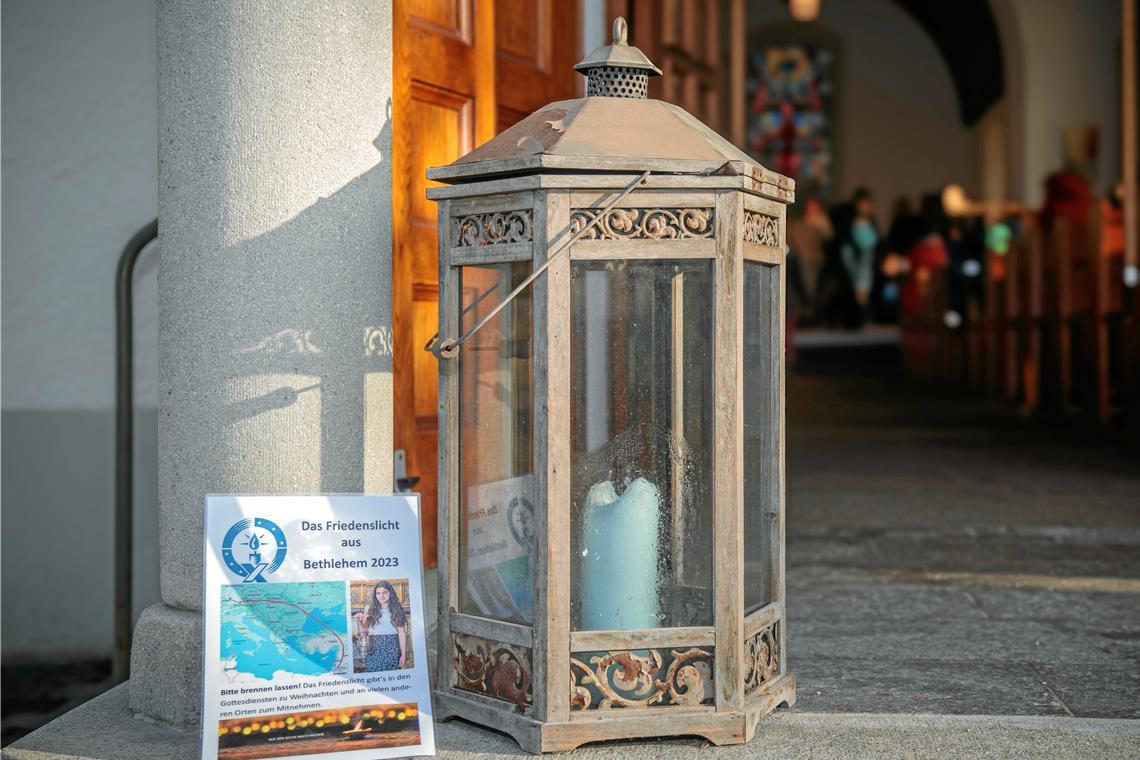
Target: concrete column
{"x":275,"y":283}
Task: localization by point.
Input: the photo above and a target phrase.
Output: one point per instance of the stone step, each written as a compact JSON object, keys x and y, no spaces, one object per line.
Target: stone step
{"x":104,"y":729}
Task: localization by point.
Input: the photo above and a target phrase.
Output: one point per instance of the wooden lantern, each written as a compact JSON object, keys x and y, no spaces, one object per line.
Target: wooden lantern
{"x":611,"y":384}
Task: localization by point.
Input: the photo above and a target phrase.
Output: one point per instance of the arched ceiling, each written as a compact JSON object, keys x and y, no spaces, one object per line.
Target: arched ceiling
{"x":966,"y":35}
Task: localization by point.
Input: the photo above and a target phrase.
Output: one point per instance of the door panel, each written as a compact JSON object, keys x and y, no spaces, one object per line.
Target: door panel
{"x":537,"y":49}
{"x":438,"y":88}
{"x":446,"y":17}
{"x":460,"y":76}
{"x":440,"y":129}
{"x":522,"y":32}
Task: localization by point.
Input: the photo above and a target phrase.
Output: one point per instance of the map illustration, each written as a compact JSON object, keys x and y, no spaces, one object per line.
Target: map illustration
{"x":298,"y":628}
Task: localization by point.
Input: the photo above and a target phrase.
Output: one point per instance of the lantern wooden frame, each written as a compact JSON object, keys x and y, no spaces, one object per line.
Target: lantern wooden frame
{"x":532,"y":699}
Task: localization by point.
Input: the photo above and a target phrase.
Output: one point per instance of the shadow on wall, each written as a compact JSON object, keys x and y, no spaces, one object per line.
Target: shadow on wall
{"x":302,"y":344}
{"x":330,"y":345}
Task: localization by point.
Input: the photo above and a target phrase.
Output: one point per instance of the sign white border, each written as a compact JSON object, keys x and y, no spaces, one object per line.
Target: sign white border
{"x":302,"y":539}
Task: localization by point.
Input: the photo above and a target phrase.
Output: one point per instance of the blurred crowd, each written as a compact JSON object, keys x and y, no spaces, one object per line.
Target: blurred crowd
{"x":844,"y":272}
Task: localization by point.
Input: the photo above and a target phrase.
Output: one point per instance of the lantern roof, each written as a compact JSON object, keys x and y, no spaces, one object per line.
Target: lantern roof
{"x":618,"y":53}
{"x":615,"y":129}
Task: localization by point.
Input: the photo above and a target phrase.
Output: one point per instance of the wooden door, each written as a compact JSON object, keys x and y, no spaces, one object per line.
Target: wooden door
{"x":463,"y":70}
{"x":537,"y":45}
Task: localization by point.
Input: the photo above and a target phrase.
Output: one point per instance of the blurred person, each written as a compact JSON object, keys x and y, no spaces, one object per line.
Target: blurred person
{"x":927,"y":258}
{"x":808,"y":230}
{"x":859,"y":248}
{"x":891,"y":267}
{"x":1112,"y":239}
{"x":1067,"y":195}
{"x":835,"y":297}
{"x":965,"y":245}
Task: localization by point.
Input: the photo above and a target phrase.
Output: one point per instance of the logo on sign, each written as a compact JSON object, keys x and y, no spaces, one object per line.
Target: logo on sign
{"x":254,"y":547}
{"x":520,"y":516}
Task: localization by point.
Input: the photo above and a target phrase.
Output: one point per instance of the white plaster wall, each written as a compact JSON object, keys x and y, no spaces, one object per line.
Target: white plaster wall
{"x":1062,"y":69}
{"x":79,"y":178}
{"x":898,"y":129}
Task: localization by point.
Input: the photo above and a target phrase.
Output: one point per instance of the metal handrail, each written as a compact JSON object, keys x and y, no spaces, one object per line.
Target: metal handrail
{"x":125,"y":447}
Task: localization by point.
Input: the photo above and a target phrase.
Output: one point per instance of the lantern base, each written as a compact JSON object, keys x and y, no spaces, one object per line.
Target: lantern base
{"x":537,"y":737}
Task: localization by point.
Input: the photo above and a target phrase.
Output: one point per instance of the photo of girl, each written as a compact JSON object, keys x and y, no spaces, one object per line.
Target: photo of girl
{"x":382,"y":639}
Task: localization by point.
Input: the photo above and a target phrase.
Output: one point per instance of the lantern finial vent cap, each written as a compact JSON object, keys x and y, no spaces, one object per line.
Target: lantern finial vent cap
{"x":617,"y":70}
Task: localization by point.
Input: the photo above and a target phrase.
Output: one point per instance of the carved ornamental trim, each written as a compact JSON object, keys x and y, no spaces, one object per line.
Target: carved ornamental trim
{"x":761,"y":229}
{"x":761,"y":658}
{"x":492,"y":228}
{"x":645,"y":223}
{"x":641,"y":678}
{"x":492,"y":669}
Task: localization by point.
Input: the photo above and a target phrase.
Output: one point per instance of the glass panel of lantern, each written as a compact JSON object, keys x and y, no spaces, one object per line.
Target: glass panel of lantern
{"x":641,"y":444}
{"x":496,"y":455}
{"x":761,"y":391}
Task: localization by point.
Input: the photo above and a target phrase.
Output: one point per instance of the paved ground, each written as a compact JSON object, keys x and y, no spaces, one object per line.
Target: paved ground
{"x":961,"y":582}
{"x":103,"y":730}
{"x":945,"y":556}
{"x":826,"y":736}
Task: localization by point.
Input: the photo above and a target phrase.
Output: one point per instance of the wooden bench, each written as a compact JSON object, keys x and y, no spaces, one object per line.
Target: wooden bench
{"x":1056,"y":329}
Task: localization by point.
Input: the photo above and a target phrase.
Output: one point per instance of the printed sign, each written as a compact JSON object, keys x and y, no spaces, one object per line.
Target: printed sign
{"x":313,"y":628}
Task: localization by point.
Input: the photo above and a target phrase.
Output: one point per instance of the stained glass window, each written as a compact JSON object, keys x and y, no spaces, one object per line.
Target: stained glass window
{"x":791,"y":88}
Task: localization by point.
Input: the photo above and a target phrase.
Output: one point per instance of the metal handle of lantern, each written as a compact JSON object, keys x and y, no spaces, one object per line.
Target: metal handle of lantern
{"x":448,"y":348}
